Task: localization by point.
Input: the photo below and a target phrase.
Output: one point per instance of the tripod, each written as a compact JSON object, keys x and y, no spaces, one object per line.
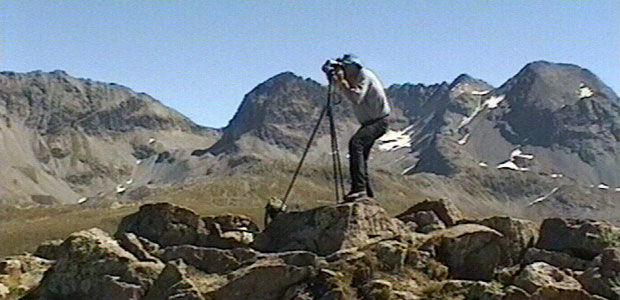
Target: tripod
{"x":273,"y":208}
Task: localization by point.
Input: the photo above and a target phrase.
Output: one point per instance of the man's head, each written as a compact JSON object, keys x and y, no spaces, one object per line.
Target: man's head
{"x":351,"y":63}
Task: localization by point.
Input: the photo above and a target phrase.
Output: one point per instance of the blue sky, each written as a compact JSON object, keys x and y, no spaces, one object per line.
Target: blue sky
{"x":202,"y":57}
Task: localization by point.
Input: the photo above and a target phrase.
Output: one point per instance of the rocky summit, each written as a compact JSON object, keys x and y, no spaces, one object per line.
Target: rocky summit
{"x":342,"y":251}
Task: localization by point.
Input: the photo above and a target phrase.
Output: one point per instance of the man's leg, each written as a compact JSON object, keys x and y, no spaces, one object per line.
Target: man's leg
{"x":359,"y":150}
{"x":377,"y":130}
{"x":357,"y":162}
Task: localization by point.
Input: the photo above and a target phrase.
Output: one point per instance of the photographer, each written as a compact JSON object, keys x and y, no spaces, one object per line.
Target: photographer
{"x":370,"y":105}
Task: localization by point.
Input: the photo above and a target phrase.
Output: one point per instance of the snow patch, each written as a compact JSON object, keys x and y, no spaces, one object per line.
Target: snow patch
{"x":152,"y":140}
{"x":603,"y":186}
{"x":139,"y":161}
{"x":584,"y":91}
{"x":491,"y":103}
{"x":128,"y":182}
{"x":480,"y":93}
{"x":483,"y":164}
{"x":405,"y":171}
{"x":517,"y":153}
{"x":120,"y":189}
{"x":509,"y":164}
{"x":82,"y":200}
{"x":393,"y":140}
{"x":618,"y":189}
{"x":494,"y":101}
{"x":463,"y":141}
{"x":545,"y":197}
{"x":556,"y":175}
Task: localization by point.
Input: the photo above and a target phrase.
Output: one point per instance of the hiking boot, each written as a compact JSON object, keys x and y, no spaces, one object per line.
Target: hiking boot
{"x":354,"y":196}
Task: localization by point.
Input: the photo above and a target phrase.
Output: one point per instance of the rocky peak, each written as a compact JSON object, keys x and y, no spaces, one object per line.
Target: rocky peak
{"x":55,"y":101}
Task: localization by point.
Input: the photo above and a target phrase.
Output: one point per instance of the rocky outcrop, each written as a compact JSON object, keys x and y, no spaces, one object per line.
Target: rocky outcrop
{"x":21,"y":273}
{"x":580,"y":238}
{"x":548,"y":282}
{"x":603,"y":277}
{"x":169,"y":225}
{"x":93,"y":266}
{"x":518,"y":236}
{"x":344,"y":251}
{"x":444,"y":209}
{"x":470,"y":251}
{"x":326,"y":230}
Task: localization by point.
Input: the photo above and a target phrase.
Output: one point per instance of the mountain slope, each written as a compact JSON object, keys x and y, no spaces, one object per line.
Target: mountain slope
{"x":64,"y":138}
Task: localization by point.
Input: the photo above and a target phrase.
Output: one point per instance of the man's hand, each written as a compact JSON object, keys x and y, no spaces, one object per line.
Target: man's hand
{"x":335,"y":73}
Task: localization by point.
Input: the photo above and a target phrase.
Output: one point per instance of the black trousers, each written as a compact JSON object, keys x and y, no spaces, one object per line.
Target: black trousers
{"x":359,"y":151}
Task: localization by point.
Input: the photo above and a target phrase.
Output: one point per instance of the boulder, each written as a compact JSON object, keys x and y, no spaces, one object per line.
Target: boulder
{"x":378,"y":290}
{"x":140,"y":248}
{"x":327,"y":229}
{"x":93,"y":266}
{"x":4,"y":291}
{"x":548,"y":282}
{"x":174,"y":283}
{"x":266,"y":279}
{"x":604,"y":279}
{"x":426,"y":221}
{"x":516,"y":293}
{"x":391,"y":255}
{"x":170,"y":225}
{"x":471,"y":251}
{"x":49,"y":249}
{"x":580,"y":238}
{"x":466,"y":289}
{"x":210,"y":260}
{"x":518,"y":236}
{"x":165,"y":224}
{"x":559,"y":259}
{"x":444,"y":209}
{"x":22,"y":273}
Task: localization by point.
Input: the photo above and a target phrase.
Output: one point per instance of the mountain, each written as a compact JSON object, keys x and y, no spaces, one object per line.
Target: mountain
{"x":63,"y":139}
{"x":545,"y":142}
{"x":562,"y":116}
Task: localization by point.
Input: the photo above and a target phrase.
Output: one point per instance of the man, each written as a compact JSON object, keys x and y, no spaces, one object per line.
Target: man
{"x":371,"y":108}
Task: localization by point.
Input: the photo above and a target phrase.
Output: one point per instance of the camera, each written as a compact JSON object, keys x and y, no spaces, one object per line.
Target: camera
{"x":331,"y":67}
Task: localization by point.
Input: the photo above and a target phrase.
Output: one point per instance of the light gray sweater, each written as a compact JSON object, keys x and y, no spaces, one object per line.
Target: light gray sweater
{"x":367,"y":97}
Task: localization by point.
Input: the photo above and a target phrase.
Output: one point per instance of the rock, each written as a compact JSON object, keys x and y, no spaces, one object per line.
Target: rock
{"x":93,"y":266}
{"x":543,"y":280}
{"x":422,"y":261}
{"x":426,"y":220}
{"x":580,"y":238}
{"x":327,"y":229}
{"x":4,"y":291}
{"x":470,"y":251}
{"x":519,"y":235}
{"x":170,"y":225}
{"x":265,"y":279}
{"x":466,"y":289}
{"x":392,"y":254}
{"x":604,"y":279}
{"x":237,"y":229}
{"x":559,"y":259}
{"x":209,"y":260}
{"x":11,"y":267}
{"x":21,"y":273}
{"x":174,"y":283}
{"x":516,"y":293}
{"x":135,"y":246}
{"x":378,"y":290}
{"x":48,"y":249}
{"x":165,"y":224}
{"x":444,"y":209}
